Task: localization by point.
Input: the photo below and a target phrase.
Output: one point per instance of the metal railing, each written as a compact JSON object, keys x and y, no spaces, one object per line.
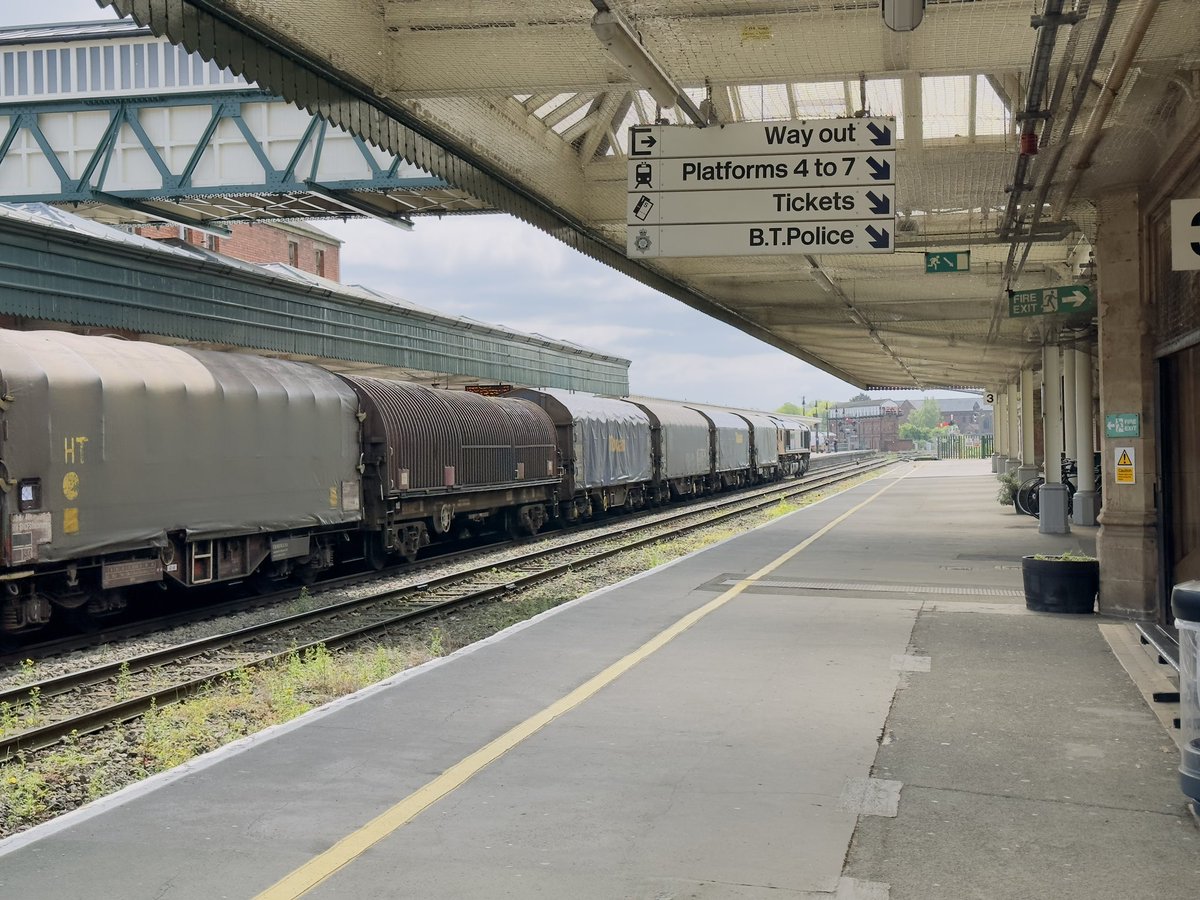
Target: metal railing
{"x":963,"y":446}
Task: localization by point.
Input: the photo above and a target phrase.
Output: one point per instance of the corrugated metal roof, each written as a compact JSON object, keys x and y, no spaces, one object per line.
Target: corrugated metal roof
{"x":955,"y":404}
{"x":93,"y":275}
{"x":376,"y":296}
{"x":70,"y":31}
{"x":53,"y":217}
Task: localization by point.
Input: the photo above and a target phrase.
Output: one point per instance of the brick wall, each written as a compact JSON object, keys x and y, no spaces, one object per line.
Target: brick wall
{"x":261,"y":243}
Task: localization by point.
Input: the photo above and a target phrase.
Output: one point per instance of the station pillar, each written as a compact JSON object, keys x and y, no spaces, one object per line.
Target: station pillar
{"x":1013,"y":421}
{"x":999,"y":447}
{"x":1085,"y":504}
{"x":1028,"y":454}
{"x":1128,"y":542}
{"x":1052,"y":497}
{"x":1068,"y":397}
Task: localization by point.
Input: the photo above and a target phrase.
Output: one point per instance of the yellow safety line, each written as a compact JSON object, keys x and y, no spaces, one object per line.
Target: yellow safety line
{"x":300,"y":881}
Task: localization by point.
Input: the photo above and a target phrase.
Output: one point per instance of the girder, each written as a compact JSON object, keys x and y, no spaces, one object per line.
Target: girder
{"x":206,"y":158}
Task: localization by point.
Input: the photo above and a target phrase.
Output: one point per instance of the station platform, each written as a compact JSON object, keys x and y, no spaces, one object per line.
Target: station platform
{"x":851,"y":702}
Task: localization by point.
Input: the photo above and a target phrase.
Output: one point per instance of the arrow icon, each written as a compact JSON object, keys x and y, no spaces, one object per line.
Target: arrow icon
{"x":640,"y":140}
{"x":880,"y":239}
{"x":880,"y":171}
{"x":880,"y":206}
{"x":1075,"y":298}
{"x":881,"y":137}
{"x":1196,"y":224}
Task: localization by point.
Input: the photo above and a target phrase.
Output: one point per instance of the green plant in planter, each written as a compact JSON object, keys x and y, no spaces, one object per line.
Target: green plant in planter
{"x":1065,"y":556}
{"x":1007,"y":493}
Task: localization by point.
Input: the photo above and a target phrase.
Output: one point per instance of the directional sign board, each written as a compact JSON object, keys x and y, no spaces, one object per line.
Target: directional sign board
{"x":949,"y":261}
{"x":792,"y":170}
{"x":817,"y":186}
{"x":1068,"y":299}
{"x":753,"y":138}
{"x":1185,"y":235}
{"x":809,"y":204}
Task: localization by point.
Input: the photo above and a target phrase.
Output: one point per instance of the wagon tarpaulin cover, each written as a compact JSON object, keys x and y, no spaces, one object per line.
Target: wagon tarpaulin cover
{"x":129,"y":440}
{"x":733,"y":439}
{"x":766,"y":438}
{"x":610,"y":439}
{"x":683,"y":434}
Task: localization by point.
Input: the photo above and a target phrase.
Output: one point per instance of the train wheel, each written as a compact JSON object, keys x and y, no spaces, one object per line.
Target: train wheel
{"x":443,"y":519}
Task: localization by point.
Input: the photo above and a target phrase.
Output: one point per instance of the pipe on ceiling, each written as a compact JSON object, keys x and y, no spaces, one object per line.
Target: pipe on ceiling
{"x":1081,"y":92}
{"x":1047,"y":24}
{"x":1108,"y":96}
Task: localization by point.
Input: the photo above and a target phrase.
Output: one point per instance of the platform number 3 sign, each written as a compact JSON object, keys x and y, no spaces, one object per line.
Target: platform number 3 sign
{"x":1185,"y":235}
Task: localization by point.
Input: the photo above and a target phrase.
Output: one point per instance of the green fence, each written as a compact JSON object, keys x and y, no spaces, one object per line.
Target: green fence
{"x":964,"y":446}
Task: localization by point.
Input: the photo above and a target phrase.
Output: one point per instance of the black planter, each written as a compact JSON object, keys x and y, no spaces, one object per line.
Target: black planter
{"x":1060,"y":585}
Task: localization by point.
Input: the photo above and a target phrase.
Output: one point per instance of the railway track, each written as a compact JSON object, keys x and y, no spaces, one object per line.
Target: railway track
{"x":36,"y":716}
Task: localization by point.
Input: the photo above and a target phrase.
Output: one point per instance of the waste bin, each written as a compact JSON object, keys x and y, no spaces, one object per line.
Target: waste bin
{"x":1185,"y":604}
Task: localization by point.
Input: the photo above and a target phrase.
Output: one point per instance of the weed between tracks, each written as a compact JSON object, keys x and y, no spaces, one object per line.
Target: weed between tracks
{"x":40,"y":786}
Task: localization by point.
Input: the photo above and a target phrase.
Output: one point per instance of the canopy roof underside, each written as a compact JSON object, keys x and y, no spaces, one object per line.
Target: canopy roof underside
{"x":519,"y":105}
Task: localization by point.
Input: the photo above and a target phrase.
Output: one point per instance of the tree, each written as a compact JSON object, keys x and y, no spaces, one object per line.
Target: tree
{"x":816,"y":408}
{"x":923,"y":423}
{"x":860,"y":396}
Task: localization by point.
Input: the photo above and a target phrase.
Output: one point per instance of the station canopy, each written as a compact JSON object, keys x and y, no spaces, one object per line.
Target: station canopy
{"x":520,"y":105}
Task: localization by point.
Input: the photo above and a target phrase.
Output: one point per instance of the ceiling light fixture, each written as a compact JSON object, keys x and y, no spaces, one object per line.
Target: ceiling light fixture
{"x":626,"y":47}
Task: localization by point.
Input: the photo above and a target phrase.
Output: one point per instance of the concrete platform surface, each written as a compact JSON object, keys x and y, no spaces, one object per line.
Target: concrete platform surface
{"x":851,"y":702}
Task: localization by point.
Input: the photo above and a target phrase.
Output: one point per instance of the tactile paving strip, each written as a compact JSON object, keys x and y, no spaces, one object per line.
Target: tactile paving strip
{"x":727,"y":581}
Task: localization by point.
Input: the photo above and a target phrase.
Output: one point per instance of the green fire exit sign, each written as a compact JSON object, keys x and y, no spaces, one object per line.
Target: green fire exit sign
{"x":1122,"y":425}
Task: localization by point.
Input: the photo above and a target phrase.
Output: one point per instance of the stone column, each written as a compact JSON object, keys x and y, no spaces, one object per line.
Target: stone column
{"x":1052,"y":498}
{"x":997,"y":443}
{"x":1068,"y":389}
{"x":1127,"y":543}
{"x":1086,"y":504}
{"x":1000,"y":427}
{"x":1013,"y":421}
{"x":1028,"y":454}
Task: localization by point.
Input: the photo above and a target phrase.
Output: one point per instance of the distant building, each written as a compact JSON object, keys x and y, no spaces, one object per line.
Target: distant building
{"x":969,"y":415}
{"x":869,"y":424}
{"x":299,"y":246}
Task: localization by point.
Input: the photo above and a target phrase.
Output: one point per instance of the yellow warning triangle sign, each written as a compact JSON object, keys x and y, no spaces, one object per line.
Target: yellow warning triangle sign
{"x":1124,"y":460}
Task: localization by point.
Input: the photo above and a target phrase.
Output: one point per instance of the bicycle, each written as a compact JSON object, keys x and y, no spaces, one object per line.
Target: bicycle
{"x":1027,"y":499}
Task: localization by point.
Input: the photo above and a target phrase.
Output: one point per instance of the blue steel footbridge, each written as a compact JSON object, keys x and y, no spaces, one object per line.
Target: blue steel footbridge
{"x":126,"y":127}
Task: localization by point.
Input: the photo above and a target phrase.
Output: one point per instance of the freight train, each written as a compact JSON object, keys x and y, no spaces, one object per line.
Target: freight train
{"x":127,"y":463}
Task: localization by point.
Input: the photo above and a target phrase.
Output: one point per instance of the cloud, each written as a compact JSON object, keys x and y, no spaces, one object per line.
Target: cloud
{"x":497,"y":269}
{"x":495,"y":243}
{"x":55,"y":11}
{"x":756,"y":380}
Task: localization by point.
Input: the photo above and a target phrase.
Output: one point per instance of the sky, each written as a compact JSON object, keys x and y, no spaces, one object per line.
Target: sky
{"x":497,"y":269}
